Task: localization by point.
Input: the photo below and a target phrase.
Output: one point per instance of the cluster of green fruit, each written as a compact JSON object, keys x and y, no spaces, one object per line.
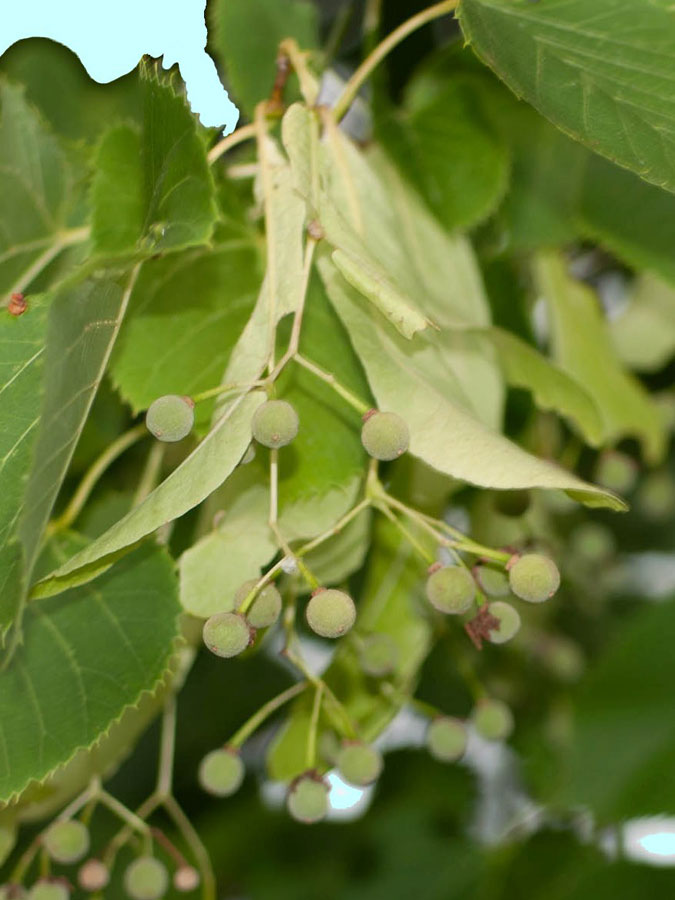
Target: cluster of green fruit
{"x":67,"y":842}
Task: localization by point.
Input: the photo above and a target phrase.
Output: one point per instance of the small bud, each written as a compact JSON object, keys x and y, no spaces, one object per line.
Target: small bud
{"x":186,"y":878}
{"x":93,"y":876}
{"x":17,"y":305}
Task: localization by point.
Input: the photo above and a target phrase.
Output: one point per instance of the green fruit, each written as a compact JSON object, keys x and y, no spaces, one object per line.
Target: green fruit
{"x":534,"y":577}
{"x":265,"y":609}
{"x":170,"y":418}
{"x":66,"y":842}
{"x":359,"y":764}
{"x":93,"y":876}
{"x":330,"y":613}
{"x":656,"y":497}
{"x":227,"y":634}
{"x":451,"y":590}
{"x":616,"y":471}
{"x":186,"y":878}
{"x":307,"y":799}
{"x":509,"y":622}
{"x":512,"y":503}
{"x":12,"y":892}
{"x":378,"y":654}
{"x":385,"y":436}
{"x":492,"y":719}
{"x":146,"y":879}
{"x":49,"y":890}
{"x":492,"y":582}
{"x":592,"y":542}
{"x":446,"y":739}
{"x":275,"y":424}
{"x":221,"y":772}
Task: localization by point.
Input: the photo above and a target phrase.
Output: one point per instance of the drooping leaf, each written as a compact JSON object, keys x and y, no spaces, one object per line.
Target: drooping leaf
{"x":247,"y":30}
{"x":582,"y":346}
{"x":411,"y":380}
{"x":601,"y":72}
{"x":87,"y":656}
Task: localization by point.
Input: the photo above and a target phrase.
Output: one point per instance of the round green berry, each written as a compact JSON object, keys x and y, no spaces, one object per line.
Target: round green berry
{"x":307,"y":799}
{"x":221,"y":772}
{"x":592,"y":542}
{"x":492,"y":582}
{"x":656,"y":498}
{"x":509,"y":622}
{"x":330,"y":613}
{"x":275,"y":424}
{"x":492,"y":719}
{"x":146,"y":879}
{"x":378,"y":654}
{"x":67,"y":842}
{"x":512,"y":503}
{"x":265,"y":609}
{"x":451,"y":590}
{"x":446,"y":739}
{"x":534,"y":577}
{"x":359,"y":764}
{"x":93,"y":876}
{"x":227,"y":634}
{"x":49,"y":890}
{"x":170,"y":418}
{"x":385,"y":435}
{"x":616,"y":471}
{"x":185,"y":879}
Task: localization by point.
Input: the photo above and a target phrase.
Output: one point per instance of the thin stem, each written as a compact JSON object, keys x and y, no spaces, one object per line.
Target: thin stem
{"x":133,"y":820}
{"x":124,"y":834}
{"x":274,"y":488}
{"x":95,"y":471}
{"x":361,"y":407}
{"x":345,"y":724}
{"x":197,"y":848}
{"x":310,"y":757}
{"x":371,"y":62}
{"x":65,"y":239}
{"x":260,"y":584}
{"x":336,"y":529}
{"x":167,"y":744}
{"x":169,"y":846}
{"x":256,"y":720}
{"x":309,"y":85}
{"x":412,"y":540}
{"x":225,"y":389}
{"x":245,"y":133}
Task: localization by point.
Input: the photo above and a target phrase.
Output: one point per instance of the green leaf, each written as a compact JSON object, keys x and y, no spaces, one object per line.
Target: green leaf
{"x":623,"y":735}
{"x":644,"y":332}
{"x":117,"y":193}
{"x":214,"y":568}
{"x":582,"y":346}
{"x":247,"y":37}
{"x":36,"y":185}
{"x":447,"y":149}
{"x":87,"y":656}
{"x":339,"y":557}
{"x":633,"y":219}
{"x":601,"y":73}
{"x":552,"y":388}
{"x":411,"y":380}
{"x":22,"y":342}
{"x":185,"y":315}
{"x":196,"y":477}
{"x":388,"y":604}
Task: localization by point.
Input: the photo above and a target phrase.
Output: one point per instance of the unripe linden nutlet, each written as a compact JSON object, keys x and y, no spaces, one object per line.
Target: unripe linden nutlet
{"x":227,"y":634}
{"x":492,"y":582}
{"x":146,"y":879}
{"x":534,"y":577}
{"x":307,"y":799}
{"x":359,"y":764}
{"x":265,"y":609}
{"x":378,"y":655}
{"x":616,"y":471}
{"x":492,"y":719}
{"x":385,"y":436}
{"x":12,"y":892}
{"x":592,"y":542}
{"x":446,"y":739}
{"x":66,"y":842}
{"x":451,"y":590}
{"x":275,"y":424}
{"x":186,"y":878}
{"x":170,"y":418}
{"x":221,"y":772}
{"x":93,"y":876}
{"x":49,"y":890}
{"x":330,"y":613}
{"x":509,"y":622}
